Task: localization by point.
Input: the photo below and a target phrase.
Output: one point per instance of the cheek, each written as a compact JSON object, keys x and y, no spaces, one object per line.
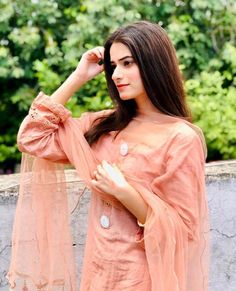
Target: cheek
{"x":134,"y":76}
{"x":138,"y":81}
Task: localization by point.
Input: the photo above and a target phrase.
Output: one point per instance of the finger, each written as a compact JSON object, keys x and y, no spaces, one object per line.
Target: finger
{"x":101,"y":187}
{"x":117,"y":169}
{"x":101,"y":170}
{"x":116,"y":175}
{"x":109,"y":169}
{"x":106,"y":166}
{"x":115,"y":166}
{"x":95,"y":184}
{"x":101,"y":50}
{"x":98,"y":52}
{"x":93,"y":56}
{"x":96,"y":175}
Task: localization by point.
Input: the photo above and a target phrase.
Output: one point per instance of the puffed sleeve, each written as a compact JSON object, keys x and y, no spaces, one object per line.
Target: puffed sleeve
{"x":182,"y":186}
{"x":39,"y":132}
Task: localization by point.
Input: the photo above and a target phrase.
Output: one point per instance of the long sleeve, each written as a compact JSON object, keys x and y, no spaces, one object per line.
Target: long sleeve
{"x":39,"y":133}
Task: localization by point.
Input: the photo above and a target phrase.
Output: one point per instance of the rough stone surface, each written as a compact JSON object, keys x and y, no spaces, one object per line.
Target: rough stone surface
{"x":221,"y":185}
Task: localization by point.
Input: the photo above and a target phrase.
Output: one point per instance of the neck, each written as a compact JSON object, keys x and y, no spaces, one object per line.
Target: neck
{"x":146,"y":107}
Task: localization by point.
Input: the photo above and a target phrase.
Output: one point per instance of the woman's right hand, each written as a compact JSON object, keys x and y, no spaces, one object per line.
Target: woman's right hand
{"x":88,"y":66}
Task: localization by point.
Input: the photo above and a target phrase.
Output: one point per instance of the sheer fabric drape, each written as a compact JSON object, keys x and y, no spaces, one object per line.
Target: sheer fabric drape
{"x":175,"y":232}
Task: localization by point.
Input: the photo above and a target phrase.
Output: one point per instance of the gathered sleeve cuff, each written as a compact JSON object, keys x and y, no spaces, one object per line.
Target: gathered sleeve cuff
{"x":43,"y":108}
{"x":39,"y":132}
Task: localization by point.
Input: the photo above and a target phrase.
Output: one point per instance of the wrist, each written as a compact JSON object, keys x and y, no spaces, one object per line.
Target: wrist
{"x":79,"y":78}
{"x":133,"y":201}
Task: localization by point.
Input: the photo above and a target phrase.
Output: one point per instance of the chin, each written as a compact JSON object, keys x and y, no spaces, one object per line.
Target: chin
{"x":125,"y":98}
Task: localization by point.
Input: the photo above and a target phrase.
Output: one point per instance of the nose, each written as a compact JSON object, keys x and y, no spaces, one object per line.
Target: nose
{"x":117,"y":74}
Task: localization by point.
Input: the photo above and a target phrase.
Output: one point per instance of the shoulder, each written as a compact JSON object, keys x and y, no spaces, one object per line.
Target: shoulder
{"x":186,"y":135}
{"x":186,"y":130}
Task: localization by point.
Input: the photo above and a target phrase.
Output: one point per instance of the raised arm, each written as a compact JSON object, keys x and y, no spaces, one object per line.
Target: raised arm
{"x":87,"y":68}
{"x":38,"y":133}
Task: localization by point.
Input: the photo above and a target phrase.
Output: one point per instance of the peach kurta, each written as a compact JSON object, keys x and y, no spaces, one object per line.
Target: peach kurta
{"x":160,"y":154}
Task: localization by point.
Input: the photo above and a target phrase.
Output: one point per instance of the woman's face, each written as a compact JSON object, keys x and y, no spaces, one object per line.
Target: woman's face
{"x":126,"y":75}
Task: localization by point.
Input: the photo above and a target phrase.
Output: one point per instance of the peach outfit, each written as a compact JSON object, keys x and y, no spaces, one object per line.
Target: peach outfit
{"x":162,"y":157}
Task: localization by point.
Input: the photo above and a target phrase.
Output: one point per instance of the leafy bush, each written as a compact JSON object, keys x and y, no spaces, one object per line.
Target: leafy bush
{"x":214,"y":110}
{"x":42,"y":41}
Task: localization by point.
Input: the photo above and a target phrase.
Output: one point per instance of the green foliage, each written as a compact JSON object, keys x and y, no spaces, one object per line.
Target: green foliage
{"x":214,"y":110}
{"x":204,"y":34}
{"x":42,"y":41}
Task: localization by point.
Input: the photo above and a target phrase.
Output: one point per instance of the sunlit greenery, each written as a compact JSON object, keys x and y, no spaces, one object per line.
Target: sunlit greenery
{"x":41,"y":42}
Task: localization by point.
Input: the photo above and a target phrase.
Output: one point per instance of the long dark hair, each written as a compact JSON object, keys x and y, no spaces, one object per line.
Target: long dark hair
{"x":155,"y":56}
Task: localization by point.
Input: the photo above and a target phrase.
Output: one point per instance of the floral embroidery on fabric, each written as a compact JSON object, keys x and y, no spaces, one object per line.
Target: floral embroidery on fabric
{"x":43,"y":101}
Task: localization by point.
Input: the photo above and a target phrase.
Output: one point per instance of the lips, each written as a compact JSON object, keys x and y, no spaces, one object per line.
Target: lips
{"x":121,"y":85}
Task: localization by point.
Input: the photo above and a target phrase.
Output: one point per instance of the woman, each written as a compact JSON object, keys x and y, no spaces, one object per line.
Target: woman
{"x":144,"y":163}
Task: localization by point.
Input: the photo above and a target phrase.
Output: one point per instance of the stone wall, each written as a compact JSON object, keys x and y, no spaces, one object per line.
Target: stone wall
{"x":221,"y":193}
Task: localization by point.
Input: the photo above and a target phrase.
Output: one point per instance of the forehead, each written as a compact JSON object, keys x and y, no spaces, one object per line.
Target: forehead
{"x":118,"y":51}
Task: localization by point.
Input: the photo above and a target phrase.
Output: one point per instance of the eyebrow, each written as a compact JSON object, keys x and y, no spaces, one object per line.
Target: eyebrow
{"x":126,"y":57}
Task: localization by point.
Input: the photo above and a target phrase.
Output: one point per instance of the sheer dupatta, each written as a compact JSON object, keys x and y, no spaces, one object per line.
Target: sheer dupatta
{"x":175,"y":232}
{"x":42,"y":256}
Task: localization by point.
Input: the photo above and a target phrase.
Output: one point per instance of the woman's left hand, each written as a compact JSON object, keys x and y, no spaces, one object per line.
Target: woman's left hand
{"x":109,"y":179}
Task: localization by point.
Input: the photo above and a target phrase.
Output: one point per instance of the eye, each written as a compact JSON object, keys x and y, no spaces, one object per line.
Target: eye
{"x":127,"y":63}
